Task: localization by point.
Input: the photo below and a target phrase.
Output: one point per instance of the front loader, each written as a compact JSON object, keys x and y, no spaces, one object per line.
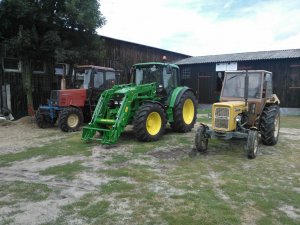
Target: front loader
{"x":153,"y":99}
{"x":246,"y":109}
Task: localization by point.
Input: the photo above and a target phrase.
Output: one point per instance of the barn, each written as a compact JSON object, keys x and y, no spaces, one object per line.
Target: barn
{"x":118,"y":54}
{"x":205,"y":73}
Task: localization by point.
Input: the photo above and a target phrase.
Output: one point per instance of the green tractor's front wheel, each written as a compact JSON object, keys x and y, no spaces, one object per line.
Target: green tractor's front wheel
{"x":184,"y":113}
{"x":149,"y":122}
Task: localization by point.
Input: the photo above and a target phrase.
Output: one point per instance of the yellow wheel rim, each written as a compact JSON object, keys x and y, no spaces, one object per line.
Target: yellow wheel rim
{"x":188,"y":111}
{"x":153,"y":123}
{"x":72,"y":120}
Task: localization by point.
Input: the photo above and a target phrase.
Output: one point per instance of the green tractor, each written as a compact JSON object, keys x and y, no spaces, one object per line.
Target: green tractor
{"x":153,"y":99}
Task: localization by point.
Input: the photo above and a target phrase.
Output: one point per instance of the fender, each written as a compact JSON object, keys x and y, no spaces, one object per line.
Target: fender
{"x":174,"y":100}
{"x":155,"y":102}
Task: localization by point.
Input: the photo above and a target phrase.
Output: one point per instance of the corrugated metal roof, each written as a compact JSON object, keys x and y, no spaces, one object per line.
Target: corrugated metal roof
{"x":247,"y":56}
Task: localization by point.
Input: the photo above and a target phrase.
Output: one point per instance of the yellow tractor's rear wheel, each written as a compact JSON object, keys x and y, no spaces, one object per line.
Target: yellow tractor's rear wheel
{"x":149,"y":122}
{"x":270,"y":125}
{"x":184,"y":113}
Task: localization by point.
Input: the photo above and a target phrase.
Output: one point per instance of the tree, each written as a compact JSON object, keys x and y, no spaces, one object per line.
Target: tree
{"x":40,"y":29}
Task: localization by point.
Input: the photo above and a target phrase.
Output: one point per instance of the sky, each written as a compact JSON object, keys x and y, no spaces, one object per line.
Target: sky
{"x":204,"y":27}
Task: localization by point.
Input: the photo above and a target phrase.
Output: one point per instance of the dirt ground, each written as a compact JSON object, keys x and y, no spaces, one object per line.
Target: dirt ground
{"x":17,"y":135}
{"x":22,"y":134}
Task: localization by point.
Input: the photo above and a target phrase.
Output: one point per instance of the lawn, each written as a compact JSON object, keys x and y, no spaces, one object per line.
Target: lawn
{"x":70,"y":182}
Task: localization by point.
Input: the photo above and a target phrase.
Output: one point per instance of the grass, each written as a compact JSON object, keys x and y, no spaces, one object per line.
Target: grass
{"x":116,"y":186}
{"x":23,"y":191}
{"x":88,"y":209}
{"x":117,"y":159}
{"x":140,"y":187}
{"x":138,"y":173}
{"x":67,"y":171}
{"x":290,"y":121}
{"x":69,"y":146}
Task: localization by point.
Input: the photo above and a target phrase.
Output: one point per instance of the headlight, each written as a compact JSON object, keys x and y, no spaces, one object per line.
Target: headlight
{"x":238,"y":118}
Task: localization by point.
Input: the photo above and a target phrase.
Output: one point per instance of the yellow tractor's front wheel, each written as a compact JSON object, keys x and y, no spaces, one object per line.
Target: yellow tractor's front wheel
{"x":149,"y":122}
{"x":184,"y":113}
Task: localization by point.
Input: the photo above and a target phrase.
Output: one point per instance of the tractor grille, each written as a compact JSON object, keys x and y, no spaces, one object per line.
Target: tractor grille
{"x":222,"y":118}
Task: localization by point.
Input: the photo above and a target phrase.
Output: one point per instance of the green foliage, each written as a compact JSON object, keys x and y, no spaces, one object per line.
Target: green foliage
{"x":39,"y":30}
{"x":50,"y":29}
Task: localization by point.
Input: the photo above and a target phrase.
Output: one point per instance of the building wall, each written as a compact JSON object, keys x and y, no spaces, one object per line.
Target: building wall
{"x":120,"y":55}
{"x":286,"y":79}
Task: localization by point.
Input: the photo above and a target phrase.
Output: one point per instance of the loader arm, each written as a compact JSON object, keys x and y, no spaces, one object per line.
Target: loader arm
{"x":114,"y":110}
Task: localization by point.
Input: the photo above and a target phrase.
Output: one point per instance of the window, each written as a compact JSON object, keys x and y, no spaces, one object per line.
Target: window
{"x":234,"y":85}
{"x":169,"y":79}
{"x":186,"y":73}
{"x":98,"y":79}
{"x":110,"y":75}
{"x":269,"y":88}
{"x":11,"y":65}
{"x":38,"y":67}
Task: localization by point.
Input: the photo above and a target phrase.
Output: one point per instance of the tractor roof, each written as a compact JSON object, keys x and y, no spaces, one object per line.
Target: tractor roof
{"x":94,"y":67}
{"x":155,"y":63}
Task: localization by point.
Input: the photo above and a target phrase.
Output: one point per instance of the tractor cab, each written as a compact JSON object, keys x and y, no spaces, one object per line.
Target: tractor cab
{"x":94,"y":77}
{"x":166,"y":76}
{"x":251,"y":88}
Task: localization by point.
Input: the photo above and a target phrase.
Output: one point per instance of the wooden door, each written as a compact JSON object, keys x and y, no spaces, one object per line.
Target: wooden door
{"x":205,"y":89}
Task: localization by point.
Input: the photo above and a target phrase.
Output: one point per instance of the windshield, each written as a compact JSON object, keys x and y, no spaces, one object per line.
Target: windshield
{"x":148,"y":75}
{"x":158,"y":74}
{"x":234,"y":85}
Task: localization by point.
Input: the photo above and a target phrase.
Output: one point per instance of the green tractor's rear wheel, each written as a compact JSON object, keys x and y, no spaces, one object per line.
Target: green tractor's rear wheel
{"x":43,"y":121}
{"x":270,"y":125}
{"x":185,"y":112}
{"x":70,"y":119}
{"x":149,"y":122}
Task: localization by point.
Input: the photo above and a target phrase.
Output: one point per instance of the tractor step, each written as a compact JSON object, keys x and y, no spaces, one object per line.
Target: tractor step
{"x":89,"y":132}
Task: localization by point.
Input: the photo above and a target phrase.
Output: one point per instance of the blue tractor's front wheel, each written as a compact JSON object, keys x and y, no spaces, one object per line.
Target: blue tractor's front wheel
{"x":43,"y":120}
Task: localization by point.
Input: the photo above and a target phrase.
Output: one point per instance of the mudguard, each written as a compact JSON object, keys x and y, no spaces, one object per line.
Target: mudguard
{"x":174,"y":99}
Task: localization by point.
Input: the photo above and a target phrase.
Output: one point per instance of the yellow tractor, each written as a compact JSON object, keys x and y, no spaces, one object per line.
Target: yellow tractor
{"x":246,"y":109}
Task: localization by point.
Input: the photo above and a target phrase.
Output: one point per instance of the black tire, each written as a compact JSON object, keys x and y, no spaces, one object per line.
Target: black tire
{"x":182,"y":124}
{"x":201,"y":140}
{"x":270,"y":125}
{"x":70,"y":119}
{"x":252,"y":144}
{"x":43,"y":121}
{"x":143,"y":122}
